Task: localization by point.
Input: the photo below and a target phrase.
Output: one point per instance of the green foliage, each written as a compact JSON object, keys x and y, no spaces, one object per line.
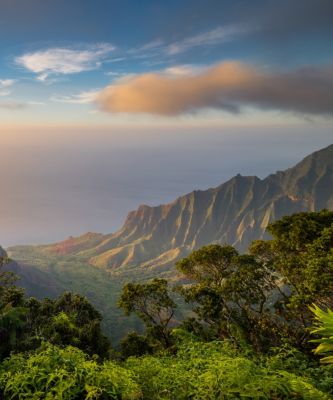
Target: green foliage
{"x":290,"y":359}
{"x":209,"y":264}
{"x":12,"y":320}
{"x":293,"y":233}
{"x":215,"y":370}
{"x":59,"y":273}
{"x":64,"y":374}
{"x":263,"y":297}
{"x":12,"y":312}
{"x":26,"y":323}
{"x":301,"y":253}
{"x":135,"y":345}
{"x":231,"y":293}
{"x":68,"y":320}
{"x":258,"y":303}
{"x":152,"y":303}
{"x":324,"y":328}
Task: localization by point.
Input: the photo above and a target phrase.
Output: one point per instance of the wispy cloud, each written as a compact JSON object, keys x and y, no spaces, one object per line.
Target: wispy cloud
{"x":4,"y":93}
{"x":152,"y":45}
{"x":56,"y":61}
{"x":158,"y":48}
{"x":116,"y":60}
{"x":115,"y":74}
{"x":228,"y":86}
{"x":215,"y":36}
{"x":80,"y":98}
{"x":13,"y":106}
{"x":183,"y":70}
{"x":36,"y":103}
{"x":5,"y":84}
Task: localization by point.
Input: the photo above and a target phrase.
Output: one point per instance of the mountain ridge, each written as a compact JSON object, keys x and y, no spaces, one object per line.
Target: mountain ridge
{"x":153,"y":238}
{"x":235,"y":212}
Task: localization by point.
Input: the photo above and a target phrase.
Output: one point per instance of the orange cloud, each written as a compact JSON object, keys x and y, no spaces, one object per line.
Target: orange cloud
{"x":228,"y":86}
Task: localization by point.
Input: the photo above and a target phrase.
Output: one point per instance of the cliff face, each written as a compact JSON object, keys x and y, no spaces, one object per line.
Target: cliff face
{"x":236,"y":212}
{"x":153,"y":238}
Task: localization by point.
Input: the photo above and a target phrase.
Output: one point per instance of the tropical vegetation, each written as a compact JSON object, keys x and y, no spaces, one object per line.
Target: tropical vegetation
{"x":236,"y":326}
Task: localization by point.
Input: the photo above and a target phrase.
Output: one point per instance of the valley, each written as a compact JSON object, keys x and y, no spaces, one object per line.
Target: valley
{"x":152,"y":239}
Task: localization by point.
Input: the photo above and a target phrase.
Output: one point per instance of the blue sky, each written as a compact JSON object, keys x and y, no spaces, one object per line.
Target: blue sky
{"x":56,"y":56}
{"x":108,"y":104}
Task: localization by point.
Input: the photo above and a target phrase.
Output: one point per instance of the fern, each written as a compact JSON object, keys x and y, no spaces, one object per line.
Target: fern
{"x":323,"y":327}
{"x":64,"y":374}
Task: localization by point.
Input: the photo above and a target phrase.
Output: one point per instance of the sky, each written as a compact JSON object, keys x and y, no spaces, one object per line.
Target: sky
{"x":108,"y":104}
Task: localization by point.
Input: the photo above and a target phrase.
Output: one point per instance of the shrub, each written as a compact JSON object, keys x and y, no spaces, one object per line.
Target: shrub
{"x":66,"y":374}
{"x":212,"y":371}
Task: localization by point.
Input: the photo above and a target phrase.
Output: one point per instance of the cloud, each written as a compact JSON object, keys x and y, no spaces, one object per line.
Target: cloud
{"x":13,"y":106}
{"x":117,"y":59}
{"x":36,"y":103}
{"x":228,"y":86}
{"x":182,"y":70}
{"x":152,"y":45}
{"x":115,"y":74}
{"x":4,"y":93}
{"x":55,"y":61}
{"x":81,"y":98}
{"x":5,"y":84}
{"x":216,"y":36}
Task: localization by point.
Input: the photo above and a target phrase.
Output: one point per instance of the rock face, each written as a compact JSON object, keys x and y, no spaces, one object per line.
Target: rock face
{"x":236,"y":212}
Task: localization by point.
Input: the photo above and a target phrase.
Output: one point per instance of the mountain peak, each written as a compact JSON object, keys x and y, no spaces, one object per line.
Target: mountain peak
{"x":235,"y":212}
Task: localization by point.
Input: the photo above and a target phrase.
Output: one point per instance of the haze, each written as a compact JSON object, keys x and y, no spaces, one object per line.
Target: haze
{"x":106,"y":105}
{"x":65,"y":182}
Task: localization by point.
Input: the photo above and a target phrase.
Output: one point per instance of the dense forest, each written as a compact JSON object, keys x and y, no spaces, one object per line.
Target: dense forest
{"x":258,"y":326}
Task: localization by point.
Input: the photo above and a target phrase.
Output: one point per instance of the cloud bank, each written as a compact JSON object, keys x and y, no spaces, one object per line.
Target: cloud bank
{"x":228,"y":86}
{"x":63,"y":60}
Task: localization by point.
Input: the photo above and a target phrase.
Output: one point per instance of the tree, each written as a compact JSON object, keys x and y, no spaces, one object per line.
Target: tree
{"x":26,"y":323}
{"x":135,"y":345}
{"x":230,"y":292}
{"x":12,"y":310}
{"x":7,"y":278}
{"x":67,"y":320}
{"x":152,"y":303}
{"x":301,"y":253}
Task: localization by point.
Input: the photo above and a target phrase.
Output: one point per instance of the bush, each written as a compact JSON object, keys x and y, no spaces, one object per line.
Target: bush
{"x":290,"y":359}
{"x":212,"y":371}
{"x":64,"y":374}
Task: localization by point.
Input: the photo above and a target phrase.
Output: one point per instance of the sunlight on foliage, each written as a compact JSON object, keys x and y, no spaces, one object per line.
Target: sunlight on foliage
{"x":210,"y":371}
{"x":324,"y":328}
{"x":64,"y":374}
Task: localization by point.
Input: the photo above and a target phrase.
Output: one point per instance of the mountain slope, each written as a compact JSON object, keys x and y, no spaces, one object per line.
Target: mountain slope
{"x":236,"y":212}
{"x":153,"y":238}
